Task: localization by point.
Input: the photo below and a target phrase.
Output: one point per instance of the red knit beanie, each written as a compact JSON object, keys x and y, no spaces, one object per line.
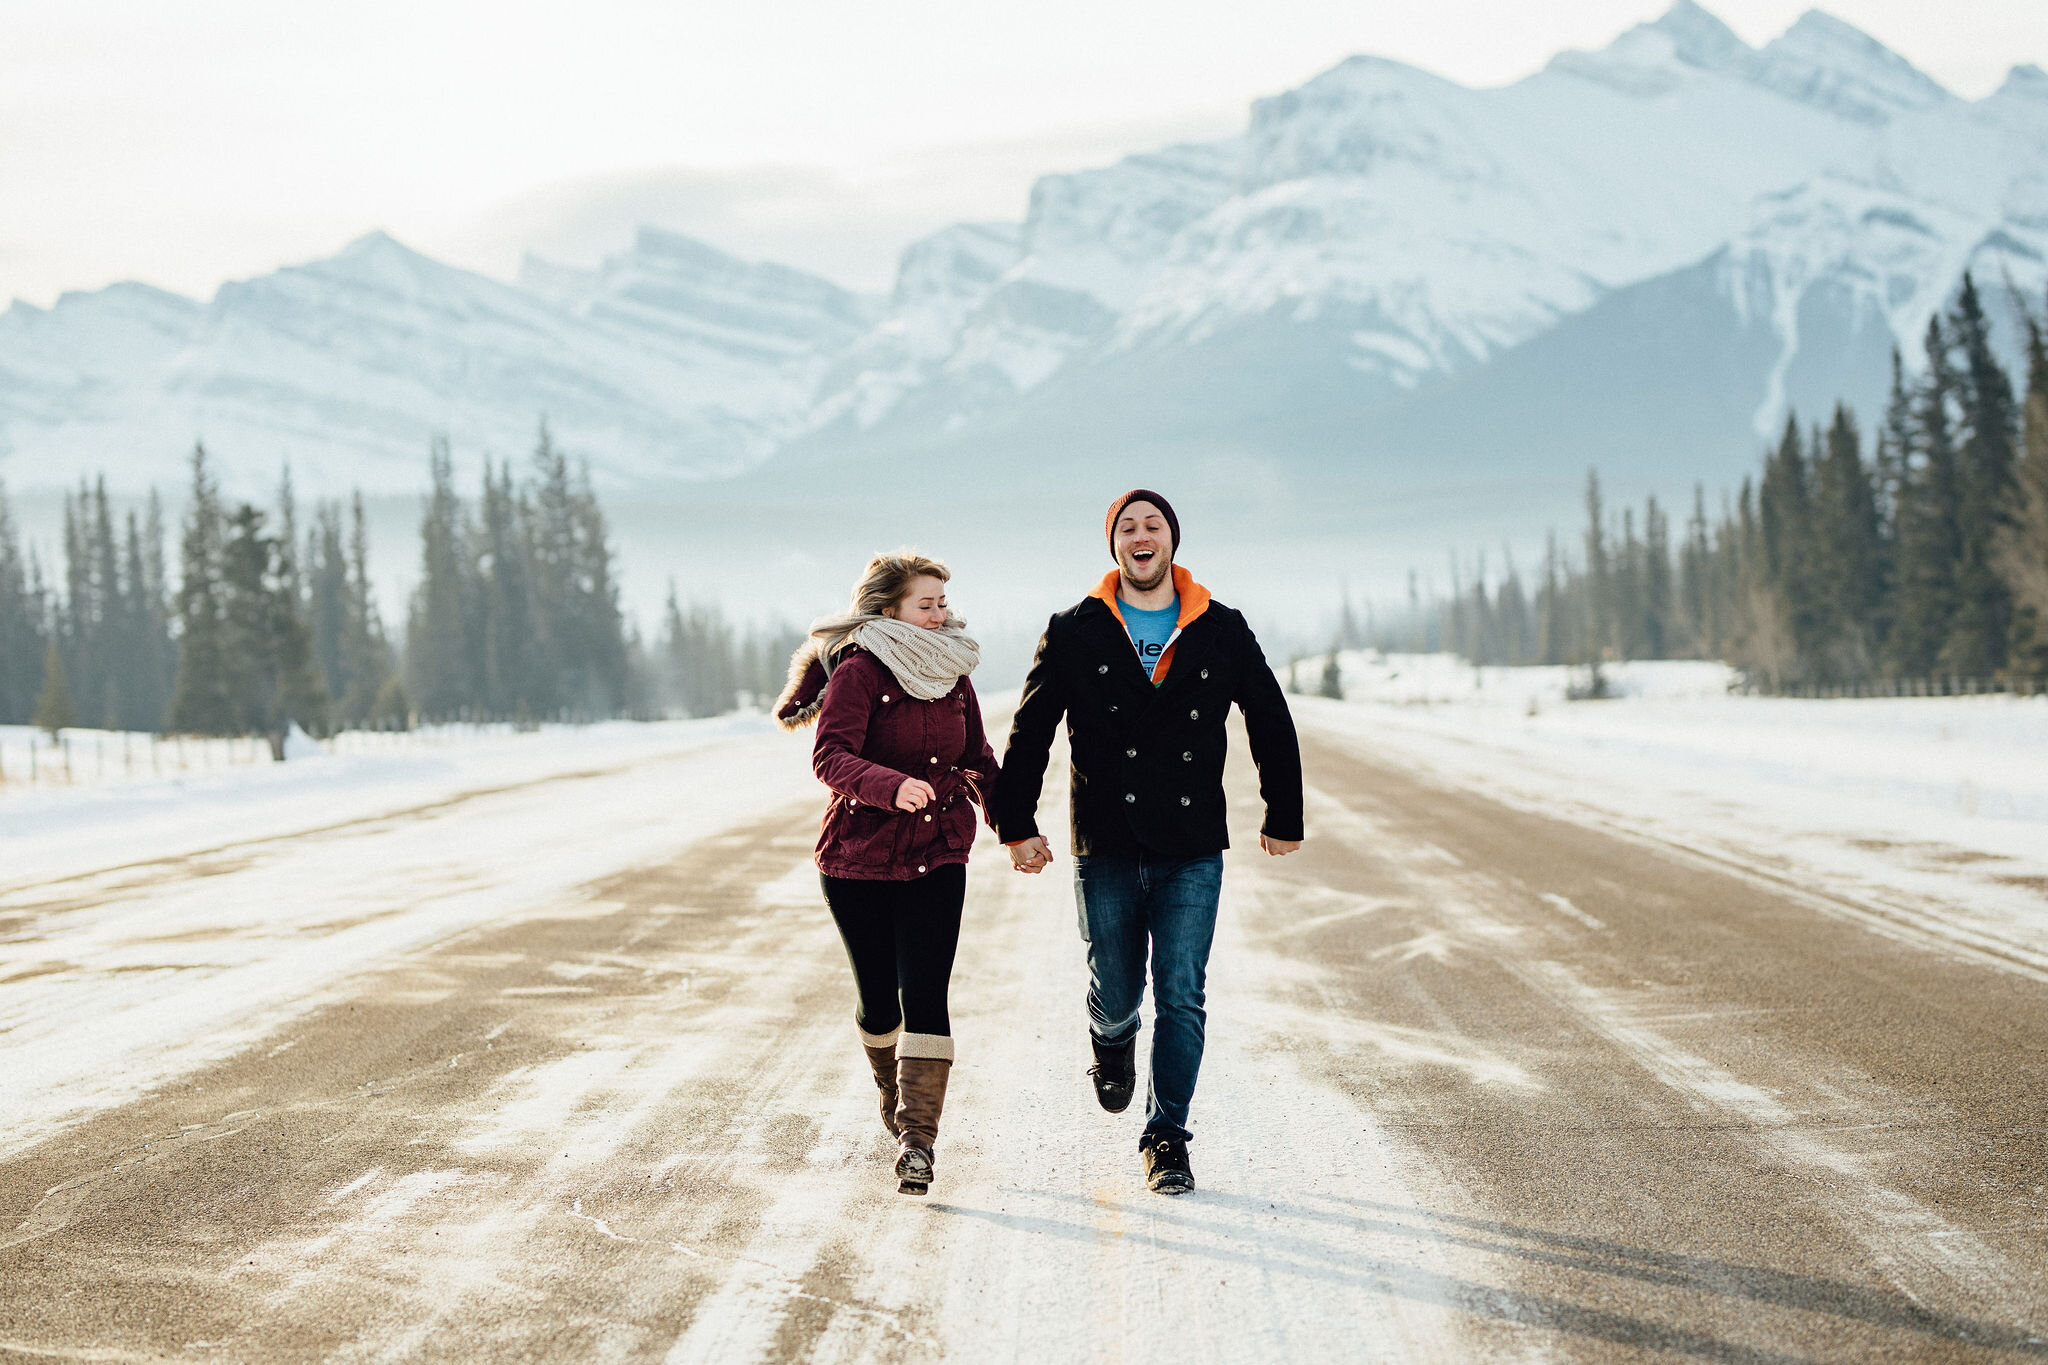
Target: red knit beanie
{"x":1116,"y":509}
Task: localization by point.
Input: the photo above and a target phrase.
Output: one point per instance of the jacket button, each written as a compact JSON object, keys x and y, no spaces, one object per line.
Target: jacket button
{"x":1112,"y":710}
{"x":1194,"y":715}
{"x":1130,"y":753}
{"x":1183,"y":801}
{"x":920,"y":867}
{"x":928,"y":818}
{"x":1205,"y":672}
{"x":935,"y":758}
{"x":1187,"y":756}
{"x":1128,"y":797}
{"x":1102,"y":668}
{"x":885,"y":696}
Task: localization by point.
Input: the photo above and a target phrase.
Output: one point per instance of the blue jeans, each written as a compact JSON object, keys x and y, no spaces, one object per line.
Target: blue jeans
{"x":1130,"y":905}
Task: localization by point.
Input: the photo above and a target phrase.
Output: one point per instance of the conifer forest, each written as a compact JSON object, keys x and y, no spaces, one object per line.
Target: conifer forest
{"x":1915,"y":553}
{"x":271,"y":618}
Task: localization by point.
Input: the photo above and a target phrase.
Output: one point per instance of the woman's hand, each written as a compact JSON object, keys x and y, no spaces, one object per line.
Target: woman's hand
{"x":915,"y":794}
{"x":1032,"y":855}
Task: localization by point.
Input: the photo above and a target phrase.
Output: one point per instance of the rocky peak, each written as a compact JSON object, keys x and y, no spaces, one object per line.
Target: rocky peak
{"x":1836,"y":66}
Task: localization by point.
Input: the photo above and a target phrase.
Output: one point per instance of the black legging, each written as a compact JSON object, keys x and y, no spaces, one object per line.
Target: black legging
{"x":900,"y":938}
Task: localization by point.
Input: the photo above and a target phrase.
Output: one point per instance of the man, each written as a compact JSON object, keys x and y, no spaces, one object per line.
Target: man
{"x":1145,"y":669}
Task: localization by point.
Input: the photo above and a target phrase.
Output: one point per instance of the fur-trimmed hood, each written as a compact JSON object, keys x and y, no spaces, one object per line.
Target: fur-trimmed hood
{"x":803,"y":695}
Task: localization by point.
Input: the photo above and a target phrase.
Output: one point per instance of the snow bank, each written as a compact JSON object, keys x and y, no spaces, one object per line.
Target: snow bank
{"x":118,"y":810}
{"x":1944,"y":799}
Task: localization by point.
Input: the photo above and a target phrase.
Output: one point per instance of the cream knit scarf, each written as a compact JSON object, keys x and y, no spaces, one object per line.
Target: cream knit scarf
{"x":927,"y":662}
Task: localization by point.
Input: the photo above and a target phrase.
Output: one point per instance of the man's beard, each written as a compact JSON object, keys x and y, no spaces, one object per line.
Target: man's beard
{"x":1161,"y":567}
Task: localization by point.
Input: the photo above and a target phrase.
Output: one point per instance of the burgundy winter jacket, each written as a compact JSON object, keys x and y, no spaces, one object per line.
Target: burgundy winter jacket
{"x":872,"y":735}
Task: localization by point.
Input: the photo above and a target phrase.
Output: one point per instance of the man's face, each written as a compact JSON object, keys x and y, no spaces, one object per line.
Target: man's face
{"x":1143,"y":546}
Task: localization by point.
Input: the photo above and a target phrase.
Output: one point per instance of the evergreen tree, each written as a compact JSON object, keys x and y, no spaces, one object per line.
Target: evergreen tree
{"x":604,"y":688}
{"x":1553,"y":637}
{"x":1657,"y":596}
{"x":272,"y":680}
{"x":200,"y":701}
{"x":2023,"y":544}
{"x":22,"y":642}
{"x":1987,"y":441}
{"x":514,"y":664}
{"x":1694,"y":610}
{"x":54,"y":711}
{"x":1848,"y":554}
{"x":1630,"y":601}
{"x":374,"y":694}
{"x":441,"y":657}
{"x":326,"y":594}
{"x":1513,"y":618}
{"x":1929,"y":520}
{"x":1332,"y":683}
{"x":1596,"y":633}
{"x":697,"y":650}
{"x":1888,"y":477}
{"x":288,"y":540}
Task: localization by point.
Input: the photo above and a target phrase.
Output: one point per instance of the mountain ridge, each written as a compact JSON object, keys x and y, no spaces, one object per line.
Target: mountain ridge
{"x":1370,"y":244}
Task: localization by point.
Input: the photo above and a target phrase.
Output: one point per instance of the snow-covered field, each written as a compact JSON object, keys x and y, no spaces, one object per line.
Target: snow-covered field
{"x":1937,"y":799}
{"x":129,"y":801}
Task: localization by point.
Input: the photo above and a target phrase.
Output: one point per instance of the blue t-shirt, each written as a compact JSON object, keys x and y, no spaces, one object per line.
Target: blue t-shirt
{"x":1150,"y":630}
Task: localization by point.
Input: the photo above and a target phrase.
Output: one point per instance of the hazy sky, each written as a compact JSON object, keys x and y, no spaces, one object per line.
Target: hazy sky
{"x":189,"y":143}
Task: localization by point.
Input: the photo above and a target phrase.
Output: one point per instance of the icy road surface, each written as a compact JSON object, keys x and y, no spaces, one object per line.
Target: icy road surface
{"x":563,"y":1069}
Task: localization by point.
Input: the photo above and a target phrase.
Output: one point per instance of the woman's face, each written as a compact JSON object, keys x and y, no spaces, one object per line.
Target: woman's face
{"x":923,"y":603}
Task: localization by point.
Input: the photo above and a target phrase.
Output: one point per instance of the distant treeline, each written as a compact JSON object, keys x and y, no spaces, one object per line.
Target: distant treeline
{"x":1923,"y":554}
{"x":516,"y":617}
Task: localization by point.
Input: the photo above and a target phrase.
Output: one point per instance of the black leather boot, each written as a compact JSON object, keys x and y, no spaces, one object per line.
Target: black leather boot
{"x":1115,"y":1073}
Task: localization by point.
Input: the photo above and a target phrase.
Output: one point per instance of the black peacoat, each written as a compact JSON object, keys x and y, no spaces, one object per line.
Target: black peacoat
{"x":1148,"y":759}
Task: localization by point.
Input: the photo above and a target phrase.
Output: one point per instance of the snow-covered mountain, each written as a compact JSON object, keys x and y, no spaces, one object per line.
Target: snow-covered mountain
{"x":1640,"y":257}
{"x":1380,"y":233}
{"x":672,"y":361}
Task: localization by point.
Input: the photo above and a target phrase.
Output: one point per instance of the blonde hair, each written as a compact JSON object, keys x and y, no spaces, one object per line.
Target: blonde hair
{"x":888,"y":577}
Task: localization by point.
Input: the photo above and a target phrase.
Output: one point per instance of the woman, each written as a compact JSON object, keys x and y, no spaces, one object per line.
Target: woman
{"x":901,"y":746}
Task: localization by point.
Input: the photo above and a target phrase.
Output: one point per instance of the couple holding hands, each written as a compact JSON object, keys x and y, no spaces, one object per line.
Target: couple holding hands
{"x":1144,"y":669}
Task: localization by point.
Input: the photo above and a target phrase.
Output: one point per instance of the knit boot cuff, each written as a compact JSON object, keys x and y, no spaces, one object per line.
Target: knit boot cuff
{"x":878,"y":1039}
{"x":935,"y":1046}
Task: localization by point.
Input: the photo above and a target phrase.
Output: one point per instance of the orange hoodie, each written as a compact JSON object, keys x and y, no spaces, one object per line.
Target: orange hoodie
{"x":1194,"y":600}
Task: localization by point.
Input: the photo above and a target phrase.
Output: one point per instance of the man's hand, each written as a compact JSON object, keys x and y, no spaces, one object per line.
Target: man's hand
{"x":1279,"y":848}
{"x":915,"y":794}
{"x":1033,"y":855}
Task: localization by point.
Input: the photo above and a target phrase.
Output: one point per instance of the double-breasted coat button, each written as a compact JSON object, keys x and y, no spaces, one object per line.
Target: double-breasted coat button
{"x":1183,"y":801}
{"x":935,"y":758}
{"x":1129,"y":797}
{"x":1112,"y":710}
{"x":885,"y":696}
{"x":1194,"y":715}
{"x":1187,"y":756}
{"x":1130,"y":753}
{"x":1205,"y":672}
{"x":1102,"y":668}
{"x":920,"y":867}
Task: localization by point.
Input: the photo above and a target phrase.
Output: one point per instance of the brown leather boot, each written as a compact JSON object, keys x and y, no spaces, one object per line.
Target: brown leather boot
{"x":881,"y":1050}
{"x":924,"y":1062}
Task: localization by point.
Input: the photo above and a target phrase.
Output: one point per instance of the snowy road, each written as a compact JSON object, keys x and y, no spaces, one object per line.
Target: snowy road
{"x":564,"y":1071}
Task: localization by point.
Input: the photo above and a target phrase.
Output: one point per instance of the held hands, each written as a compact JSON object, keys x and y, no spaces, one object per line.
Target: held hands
{"x":1033,"y":855}
{"x":915,"y":794}
{"x":1278,"y":848}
